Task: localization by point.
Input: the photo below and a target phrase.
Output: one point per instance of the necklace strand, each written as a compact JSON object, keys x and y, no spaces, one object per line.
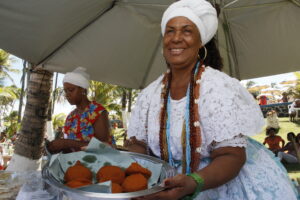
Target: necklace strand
{"x":191,"y":132}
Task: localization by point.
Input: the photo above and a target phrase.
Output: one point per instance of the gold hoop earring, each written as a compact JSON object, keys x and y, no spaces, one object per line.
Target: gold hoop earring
{"x":205,"y":54}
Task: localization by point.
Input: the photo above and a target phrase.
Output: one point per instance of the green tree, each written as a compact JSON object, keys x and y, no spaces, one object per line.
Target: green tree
{"x":5,"y":67}
{"x":113,"y":98}
{"x":297,"y":87}
{"x":58,"y":120}
{"x":106,"y":94}
{"x":249,"y":84}
{"x":8,"y":97}
{"x":295,"y":91}
{"x":11,"y":123}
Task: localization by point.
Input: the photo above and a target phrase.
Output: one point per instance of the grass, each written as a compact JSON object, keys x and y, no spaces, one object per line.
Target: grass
{"x":285,"y":127}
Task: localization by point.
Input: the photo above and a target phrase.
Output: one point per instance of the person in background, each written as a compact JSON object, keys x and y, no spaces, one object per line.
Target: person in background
{"x":284,"y":98}
{"x":2,"y":137}
{"x":288,"y":153}
{"x":273,"y":140}
{"x":272,"y":120}
{"x":292,"y":111}
{"x":89,"y":119}
{"x":198,"y":119}
{"x":114,"y":131}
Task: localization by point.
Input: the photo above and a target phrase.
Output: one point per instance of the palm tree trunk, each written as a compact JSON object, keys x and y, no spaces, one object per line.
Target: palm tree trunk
{"x":30,"y":142}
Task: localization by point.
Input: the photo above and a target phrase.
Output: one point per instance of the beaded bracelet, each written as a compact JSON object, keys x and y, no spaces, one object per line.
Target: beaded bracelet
{"x":200,"y":183}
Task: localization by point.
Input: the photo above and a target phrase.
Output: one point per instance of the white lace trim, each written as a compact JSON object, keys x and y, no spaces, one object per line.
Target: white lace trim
{"x":236,"y":141}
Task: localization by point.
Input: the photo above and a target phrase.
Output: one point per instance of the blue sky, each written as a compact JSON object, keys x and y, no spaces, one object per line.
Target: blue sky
{"x":66,"y":108}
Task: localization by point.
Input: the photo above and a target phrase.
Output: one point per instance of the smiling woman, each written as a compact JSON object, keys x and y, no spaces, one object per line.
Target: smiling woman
{"x":89,"y":119}
{"x":197,"y":118}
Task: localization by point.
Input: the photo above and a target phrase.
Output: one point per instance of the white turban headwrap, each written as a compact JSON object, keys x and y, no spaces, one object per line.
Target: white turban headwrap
{"x":200,"y":12}
{"x":78,"y":77}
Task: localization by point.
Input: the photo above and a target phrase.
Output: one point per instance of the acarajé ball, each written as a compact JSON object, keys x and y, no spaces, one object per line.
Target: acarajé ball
{"x":116,"y":188}
{"x":135,"y":182}
{"x":78,"y":171}
{"x":111,"y":173}
{"x":136,"y":168}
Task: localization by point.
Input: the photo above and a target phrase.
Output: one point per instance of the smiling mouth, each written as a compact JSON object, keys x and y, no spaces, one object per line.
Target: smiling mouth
{"x":176,"y":51}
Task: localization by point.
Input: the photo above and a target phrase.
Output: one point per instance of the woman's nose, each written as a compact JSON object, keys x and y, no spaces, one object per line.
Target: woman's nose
{"x":177,"y":37}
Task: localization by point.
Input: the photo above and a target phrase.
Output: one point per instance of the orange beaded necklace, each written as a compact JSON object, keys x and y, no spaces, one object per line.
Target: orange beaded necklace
{"x":191,"y":132}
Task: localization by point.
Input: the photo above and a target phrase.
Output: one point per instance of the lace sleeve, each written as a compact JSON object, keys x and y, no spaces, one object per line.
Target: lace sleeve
{"x":227,"y":108}
{"x":236,"y":141}
{"x":138,"y":123}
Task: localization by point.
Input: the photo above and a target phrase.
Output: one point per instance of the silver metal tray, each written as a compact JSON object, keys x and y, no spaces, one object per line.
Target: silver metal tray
{"x":167,"y":171}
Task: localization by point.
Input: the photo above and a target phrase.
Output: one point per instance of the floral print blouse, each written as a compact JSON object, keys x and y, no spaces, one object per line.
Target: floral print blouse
{"x":80,"y":126}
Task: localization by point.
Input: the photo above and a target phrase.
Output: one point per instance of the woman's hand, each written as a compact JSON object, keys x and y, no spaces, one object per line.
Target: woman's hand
{"x":176,"y":188}
{"x":134,"y":145}
{"x":65,"y":145}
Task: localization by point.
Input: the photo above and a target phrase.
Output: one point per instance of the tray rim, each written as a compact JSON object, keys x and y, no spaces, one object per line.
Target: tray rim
{"x":46,"y":175}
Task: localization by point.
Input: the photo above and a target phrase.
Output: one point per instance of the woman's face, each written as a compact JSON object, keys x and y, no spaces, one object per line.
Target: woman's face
{"x":290,"y":137}
{"x":181,"y":42}
{"x":272,"y":132}
{"x":73,"y":93}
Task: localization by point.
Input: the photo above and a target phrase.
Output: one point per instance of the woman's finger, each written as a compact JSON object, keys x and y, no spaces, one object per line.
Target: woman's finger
{"x":83,"y":148}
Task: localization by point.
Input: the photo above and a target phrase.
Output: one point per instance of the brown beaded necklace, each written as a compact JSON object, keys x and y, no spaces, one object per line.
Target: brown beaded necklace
{"x":194,"y":123}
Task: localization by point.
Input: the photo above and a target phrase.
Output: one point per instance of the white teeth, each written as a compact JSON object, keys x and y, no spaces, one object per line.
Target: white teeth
{"x":176,"y":50}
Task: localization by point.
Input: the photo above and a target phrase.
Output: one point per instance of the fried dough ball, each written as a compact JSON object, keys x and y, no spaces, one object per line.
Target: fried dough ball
{"x":116,"y":188}
{"x":78,"y":183}
{"x":78,"y":171}
{"x":134,"y":182}
{"x":111,"y":173}
{"x":135,"y":168}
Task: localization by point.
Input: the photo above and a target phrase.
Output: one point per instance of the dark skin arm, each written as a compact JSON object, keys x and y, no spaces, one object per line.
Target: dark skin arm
{"x":283,"y":143}
{"x":287,"y":147}
{"x":264,"y":141}
{"x":134,"y":145}
{"x":101,"y":127}
{"x":101,"y":131}
{"x":226,"y":164}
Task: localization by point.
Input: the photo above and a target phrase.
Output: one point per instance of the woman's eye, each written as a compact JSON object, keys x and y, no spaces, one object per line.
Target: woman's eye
{"x":169,"y":31}
{"x":68,"y":90}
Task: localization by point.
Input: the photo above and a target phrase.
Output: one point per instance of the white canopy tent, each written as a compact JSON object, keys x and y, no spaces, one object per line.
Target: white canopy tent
{"x":260,"y":37}
{"x":119,"y":41}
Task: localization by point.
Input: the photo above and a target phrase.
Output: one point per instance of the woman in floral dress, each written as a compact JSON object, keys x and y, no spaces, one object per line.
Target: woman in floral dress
{"x":89,"y":118}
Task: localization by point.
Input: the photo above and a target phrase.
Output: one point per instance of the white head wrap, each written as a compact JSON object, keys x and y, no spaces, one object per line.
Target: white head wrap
{"x":200,"y":12}
{"x":78,"y":77}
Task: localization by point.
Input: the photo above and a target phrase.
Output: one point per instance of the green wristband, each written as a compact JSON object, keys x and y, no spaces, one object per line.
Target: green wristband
{"x":200,"y":183}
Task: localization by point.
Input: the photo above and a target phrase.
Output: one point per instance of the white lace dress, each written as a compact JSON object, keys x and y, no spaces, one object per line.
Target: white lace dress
{"x":228,"y":114}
